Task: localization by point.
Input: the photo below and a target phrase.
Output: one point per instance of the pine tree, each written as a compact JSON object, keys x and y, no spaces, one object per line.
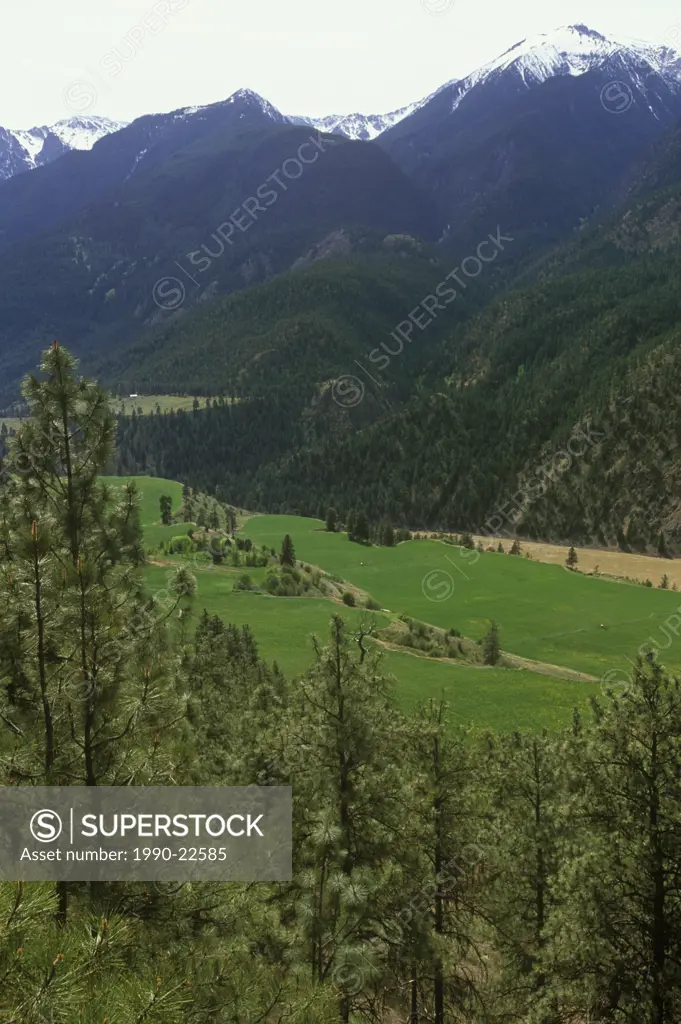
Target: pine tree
{"x":90,"y":685}
{"x":361,"y":529}
{"x":288,"y":552}
{"x":331,"y":520}
{"x":386,"y":535}
{"x":440,"y":918}
{"x":572,"y":558}
{"x":491,"y":647}
{"x":520,"y":842}
{"x":347,"y":796}
{"x":614,"y":947}
{"x":166,"y":504}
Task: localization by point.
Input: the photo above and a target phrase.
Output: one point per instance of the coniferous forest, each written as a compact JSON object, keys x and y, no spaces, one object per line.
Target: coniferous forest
{"x":439,"y":874}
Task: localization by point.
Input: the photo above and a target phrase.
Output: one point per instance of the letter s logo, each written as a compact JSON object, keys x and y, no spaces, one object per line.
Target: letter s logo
{"x":45,"y":826}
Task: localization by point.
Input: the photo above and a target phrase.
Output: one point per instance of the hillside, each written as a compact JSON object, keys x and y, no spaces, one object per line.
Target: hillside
{"x":302,"y":353}
{"x":111,"y":271}
{"x":541,"y":138}
{"x":590,"y":338}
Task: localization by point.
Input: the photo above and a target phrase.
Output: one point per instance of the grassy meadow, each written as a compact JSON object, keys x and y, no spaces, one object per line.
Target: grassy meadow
{"x":545,"y":613}
{"x":144,"y":405}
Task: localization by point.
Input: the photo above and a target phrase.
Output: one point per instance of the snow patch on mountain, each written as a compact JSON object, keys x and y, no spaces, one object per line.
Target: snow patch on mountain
{"x":31,"y":141}
{"x":84,"y":132}
{"x":242,"y":97}
{"x":71,"y":133}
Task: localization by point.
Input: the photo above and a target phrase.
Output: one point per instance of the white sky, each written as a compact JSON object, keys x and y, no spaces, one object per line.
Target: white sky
{"x":305,"y":56}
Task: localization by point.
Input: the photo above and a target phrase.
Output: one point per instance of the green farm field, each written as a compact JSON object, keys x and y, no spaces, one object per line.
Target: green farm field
{"x":284,"y":627}
{"x":545,"y":614}
{"x":149,"y":403}
{"x":151,"y":489}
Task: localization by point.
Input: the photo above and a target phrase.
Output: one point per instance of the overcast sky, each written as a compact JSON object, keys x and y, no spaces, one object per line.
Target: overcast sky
{"x":125,"y":58}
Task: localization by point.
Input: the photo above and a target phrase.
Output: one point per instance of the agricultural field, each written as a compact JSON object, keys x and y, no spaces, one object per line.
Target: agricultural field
{"x":151,"y":489}
{"x":144,"y":405}
{"x":560,"y":623}
{"x":10,"y":422}
{"x":284,"y":627}
{"x":545,"y":613}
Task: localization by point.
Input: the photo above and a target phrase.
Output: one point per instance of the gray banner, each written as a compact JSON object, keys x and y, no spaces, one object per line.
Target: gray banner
{"x":145,"y":833}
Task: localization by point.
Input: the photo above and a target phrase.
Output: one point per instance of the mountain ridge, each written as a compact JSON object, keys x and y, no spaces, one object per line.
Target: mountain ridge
{"x":570,"y":49}
{"x":25,"y":149}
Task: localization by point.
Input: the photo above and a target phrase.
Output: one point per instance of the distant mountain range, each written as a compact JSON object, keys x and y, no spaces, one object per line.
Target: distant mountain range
{"x":541,"y":137}
{"x":468,"y":428}
{"x":364,"y":127}
{"x":232,"y":250}
{"x":535,"y":144}
{"x":24,"y":150}
{"x":571,"y":51}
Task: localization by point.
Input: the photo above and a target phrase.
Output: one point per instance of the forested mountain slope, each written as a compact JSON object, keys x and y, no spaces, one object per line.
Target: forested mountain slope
{"x":114,"y":270}
{"x":592,"y":340}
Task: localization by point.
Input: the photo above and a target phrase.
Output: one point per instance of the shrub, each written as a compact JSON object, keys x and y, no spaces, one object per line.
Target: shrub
{"x":349,"y":599}
{"x":180,"y":546}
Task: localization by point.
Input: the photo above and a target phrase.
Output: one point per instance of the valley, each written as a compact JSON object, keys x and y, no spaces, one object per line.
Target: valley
{"x":340,"y":472}
{"x":566,"y":635}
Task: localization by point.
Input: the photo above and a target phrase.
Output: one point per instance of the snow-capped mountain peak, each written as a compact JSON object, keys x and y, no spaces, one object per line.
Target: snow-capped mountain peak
{"x":24,"y":149}
{"x":572,"y":49}
{"x":84,"y":132}
{"x":569,"y":50}
{"x":242,"y":98}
